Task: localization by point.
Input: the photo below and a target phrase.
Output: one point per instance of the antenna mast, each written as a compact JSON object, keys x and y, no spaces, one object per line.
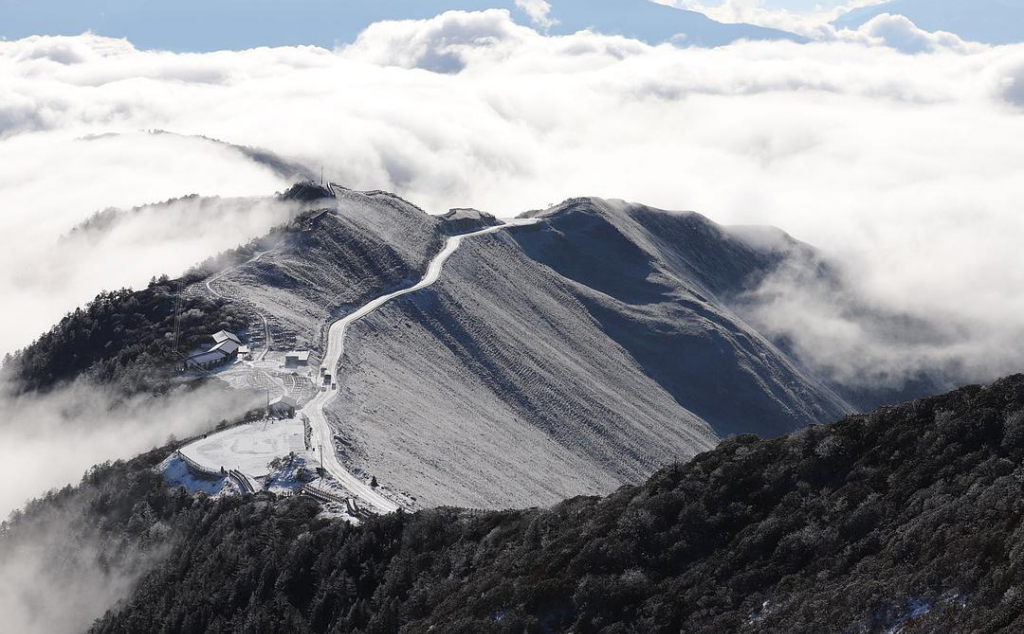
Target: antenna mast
{"x":177,"y":314}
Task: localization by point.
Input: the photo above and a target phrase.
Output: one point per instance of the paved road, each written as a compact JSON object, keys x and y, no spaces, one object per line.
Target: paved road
{"x":322,"y":435}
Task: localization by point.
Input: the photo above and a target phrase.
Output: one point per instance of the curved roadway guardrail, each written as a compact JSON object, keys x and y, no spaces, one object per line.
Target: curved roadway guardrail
{"x":247,"y":484}
{"x":199,"y":469}
{"x":327,"y":496}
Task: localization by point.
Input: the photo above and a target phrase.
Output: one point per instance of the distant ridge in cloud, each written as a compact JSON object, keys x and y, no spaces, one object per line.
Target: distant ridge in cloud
{"x":813,"y":23}
{"x":244,"y":24}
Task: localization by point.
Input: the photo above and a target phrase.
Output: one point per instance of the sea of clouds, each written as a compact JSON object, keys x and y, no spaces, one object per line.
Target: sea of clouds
{"x":894,"y":150}
{"x":59,"y":574}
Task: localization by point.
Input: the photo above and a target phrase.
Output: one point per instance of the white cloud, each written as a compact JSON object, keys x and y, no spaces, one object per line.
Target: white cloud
{"x":57,"y":574}
{"x":903,"y":35}
{"x":51,"y":181}
{"x":50,"y":584}
{"x":1011,"y":86}
{"x":905,"y":165}
{"x":437,"y":44}
{"x":539,"y":12}
{"x":49,"y":441}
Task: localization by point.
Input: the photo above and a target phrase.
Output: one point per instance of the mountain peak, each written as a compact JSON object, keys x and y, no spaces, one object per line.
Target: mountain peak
{"x":307,"y":191}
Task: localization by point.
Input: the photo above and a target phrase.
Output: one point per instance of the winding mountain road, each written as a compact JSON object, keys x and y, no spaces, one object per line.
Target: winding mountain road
{"x":267,"y":341}
{"x":314,"y":409}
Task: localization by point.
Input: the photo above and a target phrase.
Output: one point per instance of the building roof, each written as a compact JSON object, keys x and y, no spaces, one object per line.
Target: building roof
{"x":284,"y":400}
{"x":224,"y":335}
{"x":227,"y":346}
{"x":301,"y":355}
{"x":207,"y":357}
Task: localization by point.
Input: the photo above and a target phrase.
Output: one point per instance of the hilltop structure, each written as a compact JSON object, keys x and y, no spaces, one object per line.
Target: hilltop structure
{"x":226,"y":346}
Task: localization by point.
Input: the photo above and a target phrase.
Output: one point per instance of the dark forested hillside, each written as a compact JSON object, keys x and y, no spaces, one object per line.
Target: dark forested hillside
{"x":908,"y":519}
{"x":122,"y":337}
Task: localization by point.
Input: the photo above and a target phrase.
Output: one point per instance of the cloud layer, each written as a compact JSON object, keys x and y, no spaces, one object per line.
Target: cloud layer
{"x":538,"y":11}
{"x":50,"y":181}
{"x":50,"y":441}
{"x":904,"y":166}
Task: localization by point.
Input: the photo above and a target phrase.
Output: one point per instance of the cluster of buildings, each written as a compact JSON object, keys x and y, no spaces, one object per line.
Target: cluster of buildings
{"x":226,"y":347}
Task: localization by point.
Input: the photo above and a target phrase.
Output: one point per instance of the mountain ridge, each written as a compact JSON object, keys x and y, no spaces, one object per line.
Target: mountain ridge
{"x":570,"y":358}
{"x":564,"y":357}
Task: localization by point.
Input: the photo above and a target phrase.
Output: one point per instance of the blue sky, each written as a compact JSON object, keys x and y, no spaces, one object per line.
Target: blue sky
{"x":790,"y":5}
{"x":202,"y":25}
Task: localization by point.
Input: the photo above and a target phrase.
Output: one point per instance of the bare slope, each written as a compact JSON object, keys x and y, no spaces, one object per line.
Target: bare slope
{"x":366,"y":243}
{"x":496,"y":388}
{"x":567,"y":358}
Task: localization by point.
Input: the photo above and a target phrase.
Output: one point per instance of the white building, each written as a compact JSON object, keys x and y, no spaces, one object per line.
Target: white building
{"x":224,"y":335}
{"x":207,"y":360}
{"x":224,"y":349}
{"x":297,"y":358}
{"x":228,"y":347}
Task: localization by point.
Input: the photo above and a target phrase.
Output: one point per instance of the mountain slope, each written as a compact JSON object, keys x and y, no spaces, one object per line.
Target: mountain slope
{"x":988,"y":21}
{"x":567,"y":357}
{"x":365,"y":243}
{"x":908,"y":519}
{"x":661,"y":283}
{"x":495,"y":388}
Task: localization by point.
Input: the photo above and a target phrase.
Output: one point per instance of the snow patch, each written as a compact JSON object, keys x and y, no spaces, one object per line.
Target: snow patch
{"x":249,"y":448}
{"x":289,"y":474}
{"x":176,"y":473}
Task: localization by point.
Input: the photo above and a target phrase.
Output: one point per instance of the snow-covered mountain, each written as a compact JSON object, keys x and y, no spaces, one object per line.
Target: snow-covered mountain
{"x":988,"y":21}
{"x":573,"y":352}
{"x":562,"y":358}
